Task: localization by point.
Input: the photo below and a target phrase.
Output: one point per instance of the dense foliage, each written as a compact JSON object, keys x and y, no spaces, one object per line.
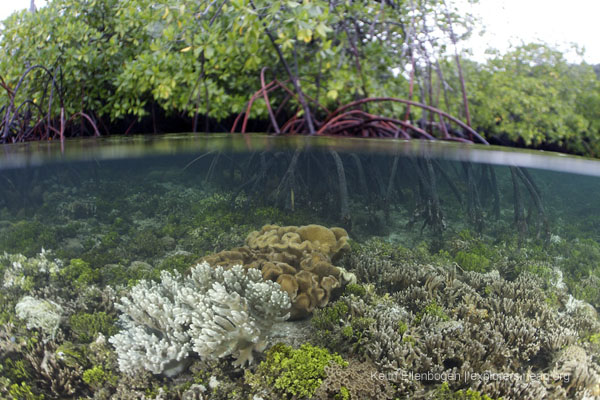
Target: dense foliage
{"x":118,"y":58}
{"x":130,"y":61}
{"x":533,"y":96}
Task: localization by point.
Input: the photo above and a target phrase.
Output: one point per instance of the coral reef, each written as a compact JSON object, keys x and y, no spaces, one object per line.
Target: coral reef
{"x":50,"y":362}
{"x":41,"y":314}
{"x":300,"y":259}
{"x":445,"y":393}
{"x":358,"y":380}
{"x":214,"y":312}
{"x":588,"y":289}
{"x":583,"y":373}
{"x":299,"y":240}
{"x":438,"y":320}
{"x":525,"y":331}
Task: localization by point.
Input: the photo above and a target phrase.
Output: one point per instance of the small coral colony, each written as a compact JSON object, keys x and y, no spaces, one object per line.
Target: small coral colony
{"x":292,"y":312}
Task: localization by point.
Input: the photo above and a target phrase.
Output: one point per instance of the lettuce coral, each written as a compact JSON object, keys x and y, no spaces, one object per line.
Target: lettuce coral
{"x":300,"y":259}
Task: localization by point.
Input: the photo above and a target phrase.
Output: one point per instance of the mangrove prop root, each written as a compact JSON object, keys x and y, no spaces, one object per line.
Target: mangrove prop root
{"x":213,"y":165}
{"x":496,"y":191}
{"x":543,"y":228}
{"x":429,"y":208}
{"x":361,"y":174}
{"x":344,"y":208}
{"x":473,"y":203}
{"x":267,"y":102}
{"x":380,"y":186}
{"x":518,"y":205}
{"x":350,"y":120}
{"x":489,"y":189}
{"x":436,"y":215}
{"x":288,"y":182}
{"x":390,"y":186}
{"x":19,"y":124}
{"x":449,"y":181}
{"x":293,"y":78}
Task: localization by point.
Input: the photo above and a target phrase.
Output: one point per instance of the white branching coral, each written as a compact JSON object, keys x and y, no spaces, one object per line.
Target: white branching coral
{"x":153,"y":337}
{"x":213,"y":312}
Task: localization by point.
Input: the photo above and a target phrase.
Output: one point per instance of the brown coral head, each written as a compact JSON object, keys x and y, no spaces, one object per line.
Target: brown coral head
{"x":312,"y":258}
{"x":291,"y":237}
{"x":306,"y":280}
{"x":341,"y":247}
{"x":301,"y":307}
{"x":318,"y":297}
{"x":329,"y":283}
{"x":324,"y":269}
{"x":298,"y":249}
{"x":342,"y":243}
{"x":263,"y":239}
{"x":321,"y":237}
{"x":282,"y":230}
{"x":299,"y":240}
{"x":285,"y":257}
{"x":339,"y":232}
{"x":289,"y":284}
{"x":228,"y":258}
{"x":285,"y":267}
{"x":271,"y":271}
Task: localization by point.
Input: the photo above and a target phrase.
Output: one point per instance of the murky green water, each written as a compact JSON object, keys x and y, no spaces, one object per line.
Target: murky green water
{"x":465,"y":271}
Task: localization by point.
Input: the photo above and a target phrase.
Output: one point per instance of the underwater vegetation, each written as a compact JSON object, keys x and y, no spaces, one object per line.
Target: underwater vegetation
{"x":294,"y":372}
{"x":196,"y":286}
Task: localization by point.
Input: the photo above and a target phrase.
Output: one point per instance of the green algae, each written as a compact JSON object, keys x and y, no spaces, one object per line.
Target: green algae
{"x":96,"y":377}
{"x":431,"y":309}
{"x":28,"y":237}
{"x":85,"y":327}
{"x":23,"y":392}
{"x":298,"y":372}
{"x":327,"y":318}
{"x":445,"y":393}
{"x":355,"y":289}
{"x":80,"y":274}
